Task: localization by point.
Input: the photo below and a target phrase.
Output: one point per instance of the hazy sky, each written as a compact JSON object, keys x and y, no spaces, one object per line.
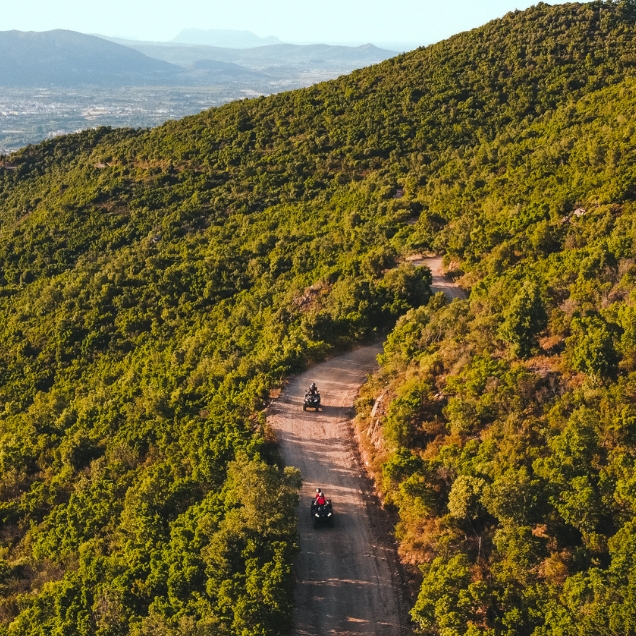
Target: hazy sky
{"x":421,"y":21}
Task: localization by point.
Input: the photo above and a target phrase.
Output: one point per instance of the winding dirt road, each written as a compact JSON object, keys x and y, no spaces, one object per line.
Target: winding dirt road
{"x":347,"y":577}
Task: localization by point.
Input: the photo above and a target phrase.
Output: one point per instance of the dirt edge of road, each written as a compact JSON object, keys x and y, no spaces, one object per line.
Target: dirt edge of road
{"x":385,"y":522}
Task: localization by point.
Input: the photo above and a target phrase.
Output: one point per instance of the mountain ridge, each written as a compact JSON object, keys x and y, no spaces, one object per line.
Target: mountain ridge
{"x":225,"y":38}
{"x":260,"y":56}
{"x":67,"y":58}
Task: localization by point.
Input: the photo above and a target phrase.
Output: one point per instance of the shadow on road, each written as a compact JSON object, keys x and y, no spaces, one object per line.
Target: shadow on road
{"x":346,"y":574}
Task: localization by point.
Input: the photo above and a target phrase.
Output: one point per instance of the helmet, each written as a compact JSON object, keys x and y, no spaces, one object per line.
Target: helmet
{"x":313,"y":385}
{"x":318,"y":491}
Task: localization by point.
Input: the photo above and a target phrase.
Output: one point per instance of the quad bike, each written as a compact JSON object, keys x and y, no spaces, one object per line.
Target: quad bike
{"x":322,"y":514}
{"x":312,"y":401}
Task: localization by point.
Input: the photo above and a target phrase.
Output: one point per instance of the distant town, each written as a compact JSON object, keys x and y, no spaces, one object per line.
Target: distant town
{"x":28,"y":116}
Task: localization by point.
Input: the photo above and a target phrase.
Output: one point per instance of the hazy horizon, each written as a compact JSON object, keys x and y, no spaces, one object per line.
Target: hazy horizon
{"x":339,"y":22}
{"x":238,"y":32}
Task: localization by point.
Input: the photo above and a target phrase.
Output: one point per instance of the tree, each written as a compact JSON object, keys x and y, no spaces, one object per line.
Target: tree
{"x":524,"y":320}
{"x":590,"y":348}
{"x":407,"y":287}
{"x":464,"y":500}
{"x":447,"y":599}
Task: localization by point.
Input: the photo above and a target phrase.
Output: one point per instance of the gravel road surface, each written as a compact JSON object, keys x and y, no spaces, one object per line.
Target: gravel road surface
{"x":347,"y":576}
{"x":440,"y":282}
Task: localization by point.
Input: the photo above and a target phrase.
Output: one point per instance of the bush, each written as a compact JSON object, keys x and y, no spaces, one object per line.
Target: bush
{"x":524,"y":319}
{"x":406,"y":287}
{"x":591,"y":348}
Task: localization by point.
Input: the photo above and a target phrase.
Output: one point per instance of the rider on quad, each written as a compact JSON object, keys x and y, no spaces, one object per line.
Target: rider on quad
{"x":312,"y":398}
{"x":321,"y":509}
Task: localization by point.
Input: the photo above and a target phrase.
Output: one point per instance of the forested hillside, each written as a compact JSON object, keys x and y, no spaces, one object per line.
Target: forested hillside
{"x":156,"y":285}
{"x":508,"y":435}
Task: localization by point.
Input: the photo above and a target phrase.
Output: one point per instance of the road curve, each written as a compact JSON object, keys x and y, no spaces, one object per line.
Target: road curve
{"x":440,"y":281}
{"x":347,"y":579}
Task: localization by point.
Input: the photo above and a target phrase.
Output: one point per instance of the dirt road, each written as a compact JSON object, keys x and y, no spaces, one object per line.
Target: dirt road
{"x":440,"y":282}
{"x":347,"y":576}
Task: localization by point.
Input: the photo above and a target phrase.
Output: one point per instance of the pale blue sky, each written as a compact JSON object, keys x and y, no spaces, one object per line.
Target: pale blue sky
{"x":379,"y":21}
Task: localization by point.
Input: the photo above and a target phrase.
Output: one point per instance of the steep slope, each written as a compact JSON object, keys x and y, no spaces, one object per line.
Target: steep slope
{"x":157,"y":284}
{"x":505,"y":433}
{"x":67,"y":58}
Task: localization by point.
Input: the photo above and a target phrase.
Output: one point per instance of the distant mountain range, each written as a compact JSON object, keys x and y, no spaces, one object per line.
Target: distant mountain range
{"x":223,"y":38}
{"x":266,"y":58}
{"x":68,"y":58}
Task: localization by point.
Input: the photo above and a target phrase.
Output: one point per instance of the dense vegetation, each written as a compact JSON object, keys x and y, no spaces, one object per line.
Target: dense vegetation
{"x":506,"y":435}
{"x":142,"y":331}
{"x":155,"y":285}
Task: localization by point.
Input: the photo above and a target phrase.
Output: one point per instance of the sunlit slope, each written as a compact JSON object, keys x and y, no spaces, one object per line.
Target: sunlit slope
{"x":506,"y":439}
{"x":295,"y":146}
{"x":507,"y":423}
{"x":156,"y":284}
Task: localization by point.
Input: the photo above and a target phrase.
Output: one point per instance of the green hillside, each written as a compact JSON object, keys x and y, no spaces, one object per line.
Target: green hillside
{"x":156,"y":285}
{"x":509,"y":436}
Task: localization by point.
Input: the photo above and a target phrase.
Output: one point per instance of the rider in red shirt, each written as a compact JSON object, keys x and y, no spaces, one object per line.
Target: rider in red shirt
{"x":320,"y":498}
